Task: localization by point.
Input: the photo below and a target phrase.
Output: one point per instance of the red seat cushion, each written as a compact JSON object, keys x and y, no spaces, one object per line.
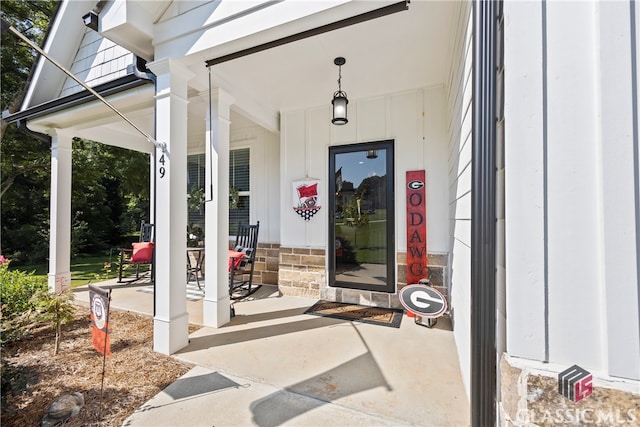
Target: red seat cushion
{"x":235,"y":259}
{"x":142,"y":252}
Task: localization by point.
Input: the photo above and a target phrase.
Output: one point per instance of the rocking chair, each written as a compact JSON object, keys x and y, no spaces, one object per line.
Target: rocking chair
{"x":242,"y":261}
{"x":140,"y":254}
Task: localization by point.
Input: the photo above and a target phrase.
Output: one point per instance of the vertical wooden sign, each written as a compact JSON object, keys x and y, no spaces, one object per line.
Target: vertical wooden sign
{"x":416,"y":226}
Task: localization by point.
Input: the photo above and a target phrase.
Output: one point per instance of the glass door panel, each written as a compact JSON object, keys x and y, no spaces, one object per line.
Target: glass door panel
{"x":361,"y":216}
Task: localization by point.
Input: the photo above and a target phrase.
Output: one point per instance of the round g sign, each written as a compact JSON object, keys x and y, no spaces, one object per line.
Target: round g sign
{"x":423,"y":300}
{"x":416,"y":184}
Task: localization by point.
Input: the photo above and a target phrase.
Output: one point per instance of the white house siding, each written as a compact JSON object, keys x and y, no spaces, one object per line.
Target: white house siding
{"x":264,"y":166}
{"x":264,"y":158}
{"x":414,"y":119}
{"x":572,"y":185}
{"x":419,"y":144}
{"x":97,"y":61}
{"x":459,"y":99}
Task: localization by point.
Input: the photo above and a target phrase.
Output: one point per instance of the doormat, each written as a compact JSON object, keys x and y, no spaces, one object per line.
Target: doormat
{"x":357,"y":313}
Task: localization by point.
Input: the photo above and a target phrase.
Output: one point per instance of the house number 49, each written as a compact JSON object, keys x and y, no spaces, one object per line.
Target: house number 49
{"x":162,"y":170}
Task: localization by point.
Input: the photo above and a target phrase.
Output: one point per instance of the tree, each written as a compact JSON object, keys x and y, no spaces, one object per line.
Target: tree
{"x":31,"y":18}
{"x":55,"y":309}
{"x":106,"y":201}
{"x":110,"y":194}
{"x":24,"y":161}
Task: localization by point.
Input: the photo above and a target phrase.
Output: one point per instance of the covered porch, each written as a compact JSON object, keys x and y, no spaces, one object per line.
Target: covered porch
{"x":262,"y":368}
{"x":196,"y":101}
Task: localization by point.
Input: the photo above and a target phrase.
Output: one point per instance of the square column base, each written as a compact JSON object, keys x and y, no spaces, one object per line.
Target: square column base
{"x":216,"y":313}
{"x":170,"y":335}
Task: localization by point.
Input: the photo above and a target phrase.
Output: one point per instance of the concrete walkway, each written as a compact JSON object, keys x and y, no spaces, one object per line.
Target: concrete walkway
{"x":273,"y":365}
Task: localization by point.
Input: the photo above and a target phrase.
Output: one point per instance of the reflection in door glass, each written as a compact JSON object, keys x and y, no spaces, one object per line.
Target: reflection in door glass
{"x":361,"y":218}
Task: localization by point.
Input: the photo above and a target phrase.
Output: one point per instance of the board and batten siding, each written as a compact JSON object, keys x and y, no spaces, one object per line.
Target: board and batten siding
{"x":414,"y":119}
{"x":264,"y":157}
{"x":459,"y":106}
{"x":571,"y":196}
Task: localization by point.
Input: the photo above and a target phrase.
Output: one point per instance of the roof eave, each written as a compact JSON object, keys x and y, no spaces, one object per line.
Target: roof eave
{"x":122,"y":84}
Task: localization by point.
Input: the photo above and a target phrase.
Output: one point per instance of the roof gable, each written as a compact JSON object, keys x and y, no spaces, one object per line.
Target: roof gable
{"x":61,"y":44}
{"x":98,"y":60}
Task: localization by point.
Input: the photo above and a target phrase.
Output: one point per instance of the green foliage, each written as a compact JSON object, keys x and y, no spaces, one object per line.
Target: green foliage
{"x":110,"y":194}
{"x":54,"y":309}
{"x":25,"y":160}
{"x":31,"y":18}
{"x":195,"y":199}
{"x":16,"y":291}
{"x":107,"y":271}
{"x":348,"y":254}
{"x":352,"y":216}
{"x":234,"y":198}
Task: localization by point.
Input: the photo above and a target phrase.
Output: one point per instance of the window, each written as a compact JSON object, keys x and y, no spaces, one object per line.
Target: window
{"x":195,"y":193}
{"x":238,"y":188}
{"x":239,"y":194}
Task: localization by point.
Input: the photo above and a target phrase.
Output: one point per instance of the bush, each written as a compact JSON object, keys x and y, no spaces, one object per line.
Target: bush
{"x":16,"y":289}
{"x":54,"y":309}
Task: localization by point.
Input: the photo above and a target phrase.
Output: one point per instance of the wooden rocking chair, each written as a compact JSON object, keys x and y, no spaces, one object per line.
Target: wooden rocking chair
{"x":242,"y":261}
{"x":139,"y":255}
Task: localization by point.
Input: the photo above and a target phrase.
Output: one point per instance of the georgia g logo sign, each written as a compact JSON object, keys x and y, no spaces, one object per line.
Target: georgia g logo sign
{"x":415,"y":185}
{"x":416,"y":208}
{"x":423,"y":300}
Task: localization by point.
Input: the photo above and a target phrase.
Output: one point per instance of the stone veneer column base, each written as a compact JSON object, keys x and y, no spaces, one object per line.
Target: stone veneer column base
{"x":302,"y":272}
{"x":437,"y":266}
{"x":267,"y":261}
{"x":530,"y":397}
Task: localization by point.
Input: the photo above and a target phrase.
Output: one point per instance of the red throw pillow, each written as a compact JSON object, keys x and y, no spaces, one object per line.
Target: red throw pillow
{"x":142,"y":252}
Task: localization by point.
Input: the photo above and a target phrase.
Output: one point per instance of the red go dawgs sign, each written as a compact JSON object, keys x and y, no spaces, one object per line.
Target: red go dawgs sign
{"x":416,"y":227}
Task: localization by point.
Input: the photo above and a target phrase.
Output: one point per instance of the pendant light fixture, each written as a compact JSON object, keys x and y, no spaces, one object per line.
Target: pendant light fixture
{"x":372,"y":154}
{"x":340,"y":100}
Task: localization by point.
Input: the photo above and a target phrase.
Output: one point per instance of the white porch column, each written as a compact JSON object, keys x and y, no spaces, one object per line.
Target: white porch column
{"x":216,"y":306}
{"x":171,"y":320}
{"x":60,"y":213}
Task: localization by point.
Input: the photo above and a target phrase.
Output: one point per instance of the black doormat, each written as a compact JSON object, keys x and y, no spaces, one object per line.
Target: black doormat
{"x":357,"y":313}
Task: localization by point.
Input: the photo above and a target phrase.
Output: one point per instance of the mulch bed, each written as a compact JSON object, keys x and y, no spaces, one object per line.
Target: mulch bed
{"x":134,"y":372}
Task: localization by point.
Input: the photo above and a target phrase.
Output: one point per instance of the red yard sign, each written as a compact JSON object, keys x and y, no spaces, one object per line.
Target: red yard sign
{"x":99,"y":306}
{"x":416,"y":226}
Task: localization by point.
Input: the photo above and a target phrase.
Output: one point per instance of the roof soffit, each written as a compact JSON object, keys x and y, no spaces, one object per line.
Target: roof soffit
{"x":131,"y":24}
{"x":218,"y":28}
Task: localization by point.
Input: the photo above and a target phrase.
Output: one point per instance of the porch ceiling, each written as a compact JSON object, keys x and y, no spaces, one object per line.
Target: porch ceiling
{"x":405,"y":50}
{"x":402,"y":51}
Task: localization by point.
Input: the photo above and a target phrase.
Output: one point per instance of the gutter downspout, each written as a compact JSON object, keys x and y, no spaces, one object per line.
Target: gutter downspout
{"x":22,"y":126}
{"x":483,"y":208}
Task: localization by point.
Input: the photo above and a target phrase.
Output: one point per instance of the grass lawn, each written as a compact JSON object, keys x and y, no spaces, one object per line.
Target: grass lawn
{"x":84,"y":268}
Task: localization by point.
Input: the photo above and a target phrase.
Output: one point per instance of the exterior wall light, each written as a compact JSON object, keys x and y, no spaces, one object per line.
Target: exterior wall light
{"x":340,"y":100}
{"x":91,"y":20}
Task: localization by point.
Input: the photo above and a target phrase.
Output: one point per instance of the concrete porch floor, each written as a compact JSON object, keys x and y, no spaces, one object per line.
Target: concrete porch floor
{"x":273,"y":365}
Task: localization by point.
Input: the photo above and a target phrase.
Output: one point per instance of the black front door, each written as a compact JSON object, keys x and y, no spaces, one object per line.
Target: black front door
{"x":361,"y":216}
